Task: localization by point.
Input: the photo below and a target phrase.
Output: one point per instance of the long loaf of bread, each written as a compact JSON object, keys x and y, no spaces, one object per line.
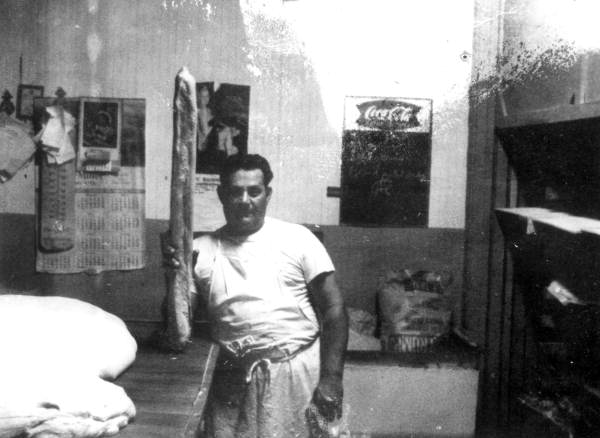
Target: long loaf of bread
{"x":180,"y":282}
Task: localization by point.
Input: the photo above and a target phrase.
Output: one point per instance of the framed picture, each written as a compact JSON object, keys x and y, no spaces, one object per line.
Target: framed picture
{"x":25,"y":96}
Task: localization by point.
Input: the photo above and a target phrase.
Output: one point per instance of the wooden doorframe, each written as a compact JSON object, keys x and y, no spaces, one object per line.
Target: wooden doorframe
{"x":488,"y":302}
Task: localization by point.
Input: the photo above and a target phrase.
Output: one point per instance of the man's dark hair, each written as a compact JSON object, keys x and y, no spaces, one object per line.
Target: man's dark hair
{"x":237,"y":162}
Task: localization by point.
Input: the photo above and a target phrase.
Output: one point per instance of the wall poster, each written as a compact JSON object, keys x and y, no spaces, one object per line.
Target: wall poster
{"x":386,"y":161}
{"x":222,"y":131}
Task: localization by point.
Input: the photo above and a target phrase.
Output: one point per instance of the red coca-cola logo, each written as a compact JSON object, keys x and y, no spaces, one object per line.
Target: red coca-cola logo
{"x":388,"y":114}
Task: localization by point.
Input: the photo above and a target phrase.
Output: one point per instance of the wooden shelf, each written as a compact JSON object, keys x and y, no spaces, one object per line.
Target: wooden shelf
{"x":559,"y":220}
{"x":558,"y":114}
{"x":541,"y":419}
{"x":549,"y":245}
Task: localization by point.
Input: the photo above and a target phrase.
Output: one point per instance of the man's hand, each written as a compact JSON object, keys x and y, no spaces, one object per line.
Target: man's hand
{"x":328,"y":397}
{"x":168,"y":251}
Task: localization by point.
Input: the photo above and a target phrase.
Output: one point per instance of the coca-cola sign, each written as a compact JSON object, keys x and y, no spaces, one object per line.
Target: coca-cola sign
{"x":386,"y":161}
{"x":388,"y":114}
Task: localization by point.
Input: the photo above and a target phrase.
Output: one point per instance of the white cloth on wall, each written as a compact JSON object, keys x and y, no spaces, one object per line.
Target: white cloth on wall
{"x":16,"y":146}
{"x":56,"y":135}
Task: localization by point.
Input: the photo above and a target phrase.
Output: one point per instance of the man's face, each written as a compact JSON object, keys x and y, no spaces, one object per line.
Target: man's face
{"x":245,"y":199}
{"x":204,"y":97}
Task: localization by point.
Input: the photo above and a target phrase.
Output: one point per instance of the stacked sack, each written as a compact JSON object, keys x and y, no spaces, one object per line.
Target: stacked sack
{"x":414,"y":310}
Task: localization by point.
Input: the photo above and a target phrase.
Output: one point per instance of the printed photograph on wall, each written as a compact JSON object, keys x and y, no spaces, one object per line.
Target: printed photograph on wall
{"x":100,"y":136}
{"x":386,"y":161}
{"x":100,"y":124}
{"x":223,"y":112}
{"x":222,"y":124}
{"x":204,"y":101}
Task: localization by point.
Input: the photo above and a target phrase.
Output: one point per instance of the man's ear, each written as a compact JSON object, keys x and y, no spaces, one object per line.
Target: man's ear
{"x":269,"y":190}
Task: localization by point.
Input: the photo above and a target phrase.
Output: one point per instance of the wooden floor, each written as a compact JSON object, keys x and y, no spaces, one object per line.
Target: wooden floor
{"x":169,"y":390}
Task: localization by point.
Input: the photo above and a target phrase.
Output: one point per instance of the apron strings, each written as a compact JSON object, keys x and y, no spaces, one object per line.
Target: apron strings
{"x":266,"y":367}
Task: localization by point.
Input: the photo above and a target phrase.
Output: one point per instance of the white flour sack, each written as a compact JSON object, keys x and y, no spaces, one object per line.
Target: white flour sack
{"x":54,"y":354}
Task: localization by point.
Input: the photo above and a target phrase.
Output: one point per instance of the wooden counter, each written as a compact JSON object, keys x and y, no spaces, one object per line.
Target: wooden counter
{"x":169,"y":390}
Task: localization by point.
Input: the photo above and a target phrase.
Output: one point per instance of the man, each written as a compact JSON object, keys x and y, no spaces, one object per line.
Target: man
{"x":205,"y":115}
{"x":262,"y":280}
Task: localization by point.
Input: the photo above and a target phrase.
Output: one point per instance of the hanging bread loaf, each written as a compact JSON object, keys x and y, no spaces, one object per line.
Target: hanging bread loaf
{"x":180,"y":282}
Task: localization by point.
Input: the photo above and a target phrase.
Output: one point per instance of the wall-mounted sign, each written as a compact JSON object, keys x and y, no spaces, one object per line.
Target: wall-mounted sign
{"x":386,"y":161}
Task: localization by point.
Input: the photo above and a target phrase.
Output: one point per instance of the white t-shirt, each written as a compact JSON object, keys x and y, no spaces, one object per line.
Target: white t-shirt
{"x":285,"y":257}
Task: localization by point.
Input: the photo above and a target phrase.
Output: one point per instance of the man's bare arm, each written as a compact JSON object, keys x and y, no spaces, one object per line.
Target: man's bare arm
{"x":330,"y":307}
